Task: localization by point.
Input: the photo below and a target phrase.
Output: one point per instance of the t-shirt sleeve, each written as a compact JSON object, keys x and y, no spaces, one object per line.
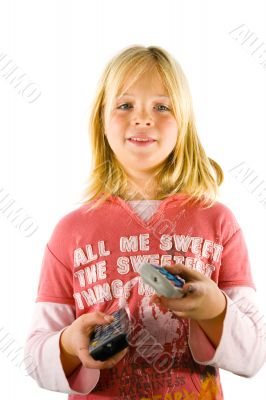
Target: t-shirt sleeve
{"x":56,"y":275}
{"x":56,"y":280}
{"x":235,"y":269}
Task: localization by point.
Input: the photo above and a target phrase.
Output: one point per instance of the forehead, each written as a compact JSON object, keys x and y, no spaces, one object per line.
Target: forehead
{"x":156,"y":96}
{"x":150,"y":82}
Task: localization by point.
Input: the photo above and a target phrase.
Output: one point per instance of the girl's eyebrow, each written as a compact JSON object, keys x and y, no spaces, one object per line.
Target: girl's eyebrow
{"x":131,"y":95}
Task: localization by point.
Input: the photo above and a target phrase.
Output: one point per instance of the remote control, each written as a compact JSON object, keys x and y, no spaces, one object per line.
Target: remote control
{"x":107,"y":340}
{"x":161,"y":280}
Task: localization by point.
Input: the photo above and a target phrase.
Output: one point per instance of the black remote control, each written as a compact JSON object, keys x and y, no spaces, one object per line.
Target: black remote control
{"x":107,"y":340}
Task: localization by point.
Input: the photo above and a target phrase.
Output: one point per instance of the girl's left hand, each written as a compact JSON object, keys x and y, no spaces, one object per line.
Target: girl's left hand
{"x":203,"y":299}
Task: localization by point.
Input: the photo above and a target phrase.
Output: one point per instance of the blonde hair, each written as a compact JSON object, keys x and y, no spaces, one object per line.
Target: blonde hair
{"x":186,"y":170}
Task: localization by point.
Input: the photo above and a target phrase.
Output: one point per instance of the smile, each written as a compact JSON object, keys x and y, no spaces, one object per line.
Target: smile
{"x":141,"y":142}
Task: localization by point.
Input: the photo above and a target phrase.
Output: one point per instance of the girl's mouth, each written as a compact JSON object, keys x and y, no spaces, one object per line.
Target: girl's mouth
{"x":141,"y":142}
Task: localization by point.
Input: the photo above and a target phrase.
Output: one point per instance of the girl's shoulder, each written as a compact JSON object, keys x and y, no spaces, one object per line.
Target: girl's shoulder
{"x":223,"y":214}
{"x":222,"y":208}
{"x":70,"y":221}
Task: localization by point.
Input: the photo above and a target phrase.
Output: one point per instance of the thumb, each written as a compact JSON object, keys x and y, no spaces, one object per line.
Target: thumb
{"x":189,"y":288}
{"x":192,"y":288}
{"x":94,"y":318}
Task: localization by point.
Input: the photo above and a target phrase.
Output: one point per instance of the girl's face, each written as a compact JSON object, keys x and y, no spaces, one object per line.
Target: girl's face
{"x":144,"y":113}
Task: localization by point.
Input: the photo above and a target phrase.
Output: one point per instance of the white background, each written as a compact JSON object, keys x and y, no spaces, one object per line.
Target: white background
{"x":63,"y":47}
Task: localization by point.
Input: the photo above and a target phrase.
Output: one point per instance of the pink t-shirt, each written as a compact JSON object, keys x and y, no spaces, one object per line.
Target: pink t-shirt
{"x":91,"y":262}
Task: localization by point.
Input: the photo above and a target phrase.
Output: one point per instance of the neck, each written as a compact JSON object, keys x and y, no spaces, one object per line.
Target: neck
{"x":140,"y":192}
{"x":141,"y":185}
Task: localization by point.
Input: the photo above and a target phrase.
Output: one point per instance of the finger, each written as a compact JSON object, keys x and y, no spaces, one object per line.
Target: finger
{"x":89,"y":362}
{"x":194,"y":289}
{"x":88,"y":321}
{"x":154,"y":299}
{"x":183,"y":304}
{"x":191,"y":291}
{"x":180,"y":314}
{"x":189,"y":288}
{"x":111,"y":362}
{"x":98,"y":317}
{"x":86,"y":359}
{"x":184,"y":272}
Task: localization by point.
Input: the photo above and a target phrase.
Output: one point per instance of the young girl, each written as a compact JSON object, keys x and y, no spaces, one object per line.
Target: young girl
{"x":151,"y":197}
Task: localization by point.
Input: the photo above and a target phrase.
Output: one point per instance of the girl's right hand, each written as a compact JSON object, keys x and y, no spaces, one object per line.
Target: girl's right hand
{"x":74,"y":340}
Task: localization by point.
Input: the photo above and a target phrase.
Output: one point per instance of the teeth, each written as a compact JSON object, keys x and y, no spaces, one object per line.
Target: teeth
{"x":140,"y":140}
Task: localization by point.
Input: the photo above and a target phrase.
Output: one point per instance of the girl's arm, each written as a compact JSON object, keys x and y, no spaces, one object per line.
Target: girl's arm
{"x":213,"y":328}
{"x":242,"y":347}
{"x":217,"y":326}
{"x":42,"y":350}
{"x":69,"y":362}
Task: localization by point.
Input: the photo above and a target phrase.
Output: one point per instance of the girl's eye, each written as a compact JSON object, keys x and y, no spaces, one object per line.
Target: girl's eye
{"x":166,"y":108}
{"x":125,"y":104}
{"x":159,"y":105}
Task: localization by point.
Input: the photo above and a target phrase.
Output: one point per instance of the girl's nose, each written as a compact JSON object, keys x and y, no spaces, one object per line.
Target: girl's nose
{"x":142,"y":123}
{"x":142,"y":119}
